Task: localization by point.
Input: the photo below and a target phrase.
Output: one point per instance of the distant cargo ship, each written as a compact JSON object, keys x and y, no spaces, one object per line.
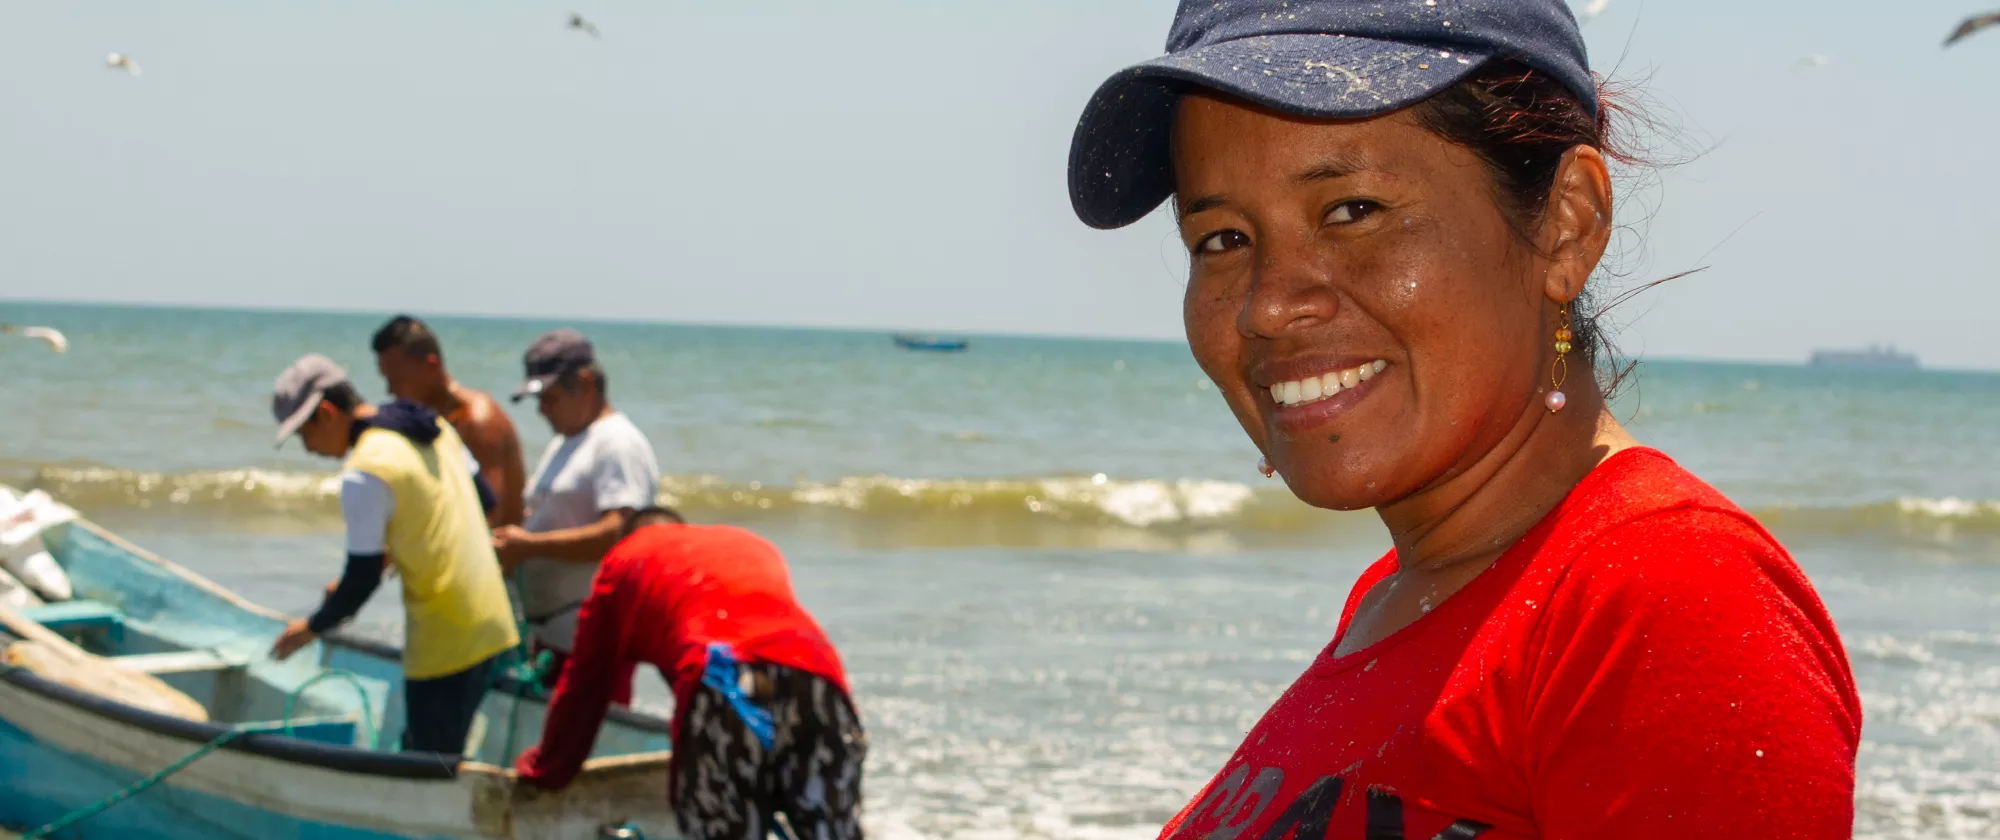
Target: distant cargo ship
{"x":1874,"y":357}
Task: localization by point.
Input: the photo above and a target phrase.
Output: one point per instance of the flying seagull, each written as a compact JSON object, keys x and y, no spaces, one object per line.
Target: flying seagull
{"x":1594,"y":8}
{"x":120,"y":61}
{"x":1971,"y":25}
{"x":576,"y":21}
{"x":48,"y":335}
{"x":1813,"y":61}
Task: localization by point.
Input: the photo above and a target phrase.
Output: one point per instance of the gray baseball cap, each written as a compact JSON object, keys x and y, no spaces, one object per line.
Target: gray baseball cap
{"x":299,"y":390}
{"x":554,"y":354}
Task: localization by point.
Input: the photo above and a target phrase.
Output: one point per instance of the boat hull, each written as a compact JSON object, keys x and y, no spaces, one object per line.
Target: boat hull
{"x":931,"y":344}
{"x":42,"y":779}
{"x":63,"y":749}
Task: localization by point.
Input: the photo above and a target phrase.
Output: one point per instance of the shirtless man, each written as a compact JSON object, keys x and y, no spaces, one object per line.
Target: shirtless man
{"x":407,"y":354}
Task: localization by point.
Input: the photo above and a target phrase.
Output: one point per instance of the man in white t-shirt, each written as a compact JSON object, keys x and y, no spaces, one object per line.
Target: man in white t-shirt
{"x":596,"y":473}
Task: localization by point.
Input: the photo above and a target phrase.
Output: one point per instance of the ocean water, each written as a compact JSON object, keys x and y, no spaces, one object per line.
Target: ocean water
{"x":1061,"y":588}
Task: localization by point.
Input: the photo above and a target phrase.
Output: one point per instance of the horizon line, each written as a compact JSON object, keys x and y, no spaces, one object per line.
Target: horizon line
{"x":871,"y":329}
{"x":874,"y":329}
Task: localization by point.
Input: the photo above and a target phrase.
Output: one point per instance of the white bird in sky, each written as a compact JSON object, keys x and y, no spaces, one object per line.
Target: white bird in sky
{"x":121,"y":61}
{"x":1813,"y":61}
{"x":576,"y":21}
{"x":1594,"y":8}
{"x":48,"y":335}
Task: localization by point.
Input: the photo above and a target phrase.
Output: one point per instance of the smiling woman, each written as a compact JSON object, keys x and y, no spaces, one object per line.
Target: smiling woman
{"x":1393,"y":211}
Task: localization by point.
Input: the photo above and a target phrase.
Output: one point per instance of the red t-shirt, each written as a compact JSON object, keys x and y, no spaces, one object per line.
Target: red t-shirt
{"x":660,"y":596}
{"x":1646,"y":662}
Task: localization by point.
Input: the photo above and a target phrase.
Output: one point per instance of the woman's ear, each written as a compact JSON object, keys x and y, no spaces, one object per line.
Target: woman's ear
{"x":1576,"y":225}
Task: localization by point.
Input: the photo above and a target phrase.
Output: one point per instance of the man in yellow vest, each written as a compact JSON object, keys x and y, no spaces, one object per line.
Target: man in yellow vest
{"x":411,"y":495}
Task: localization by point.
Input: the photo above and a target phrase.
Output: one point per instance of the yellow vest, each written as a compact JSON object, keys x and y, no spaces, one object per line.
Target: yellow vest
{"x":454,"y":596}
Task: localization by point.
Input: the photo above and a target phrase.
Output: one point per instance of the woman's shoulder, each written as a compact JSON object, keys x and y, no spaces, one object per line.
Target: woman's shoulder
{"x":1646,"y":530}
{"x":1657,"y":543}
{"x":1641,"y":498}
{"x":1641,"y":481}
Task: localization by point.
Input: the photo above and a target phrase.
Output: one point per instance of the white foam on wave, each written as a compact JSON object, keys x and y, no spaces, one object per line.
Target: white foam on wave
{"x":1906,"y":793}
{"x":1150,"y":502}
{"x":1965,"y":638}
{"x":146,"y":488}
{"x":1890,"y":648}
{"x":1949,"y":507}
{"x":1140,"y":503}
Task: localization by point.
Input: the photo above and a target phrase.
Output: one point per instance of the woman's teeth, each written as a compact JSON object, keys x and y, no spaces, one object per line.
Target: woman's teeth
{"x":1316,"y":388}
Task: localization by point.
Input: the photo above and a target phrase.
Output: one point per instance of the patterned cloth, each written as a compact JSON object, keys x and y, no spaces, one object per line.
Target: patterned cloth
{"x":728,"y":786}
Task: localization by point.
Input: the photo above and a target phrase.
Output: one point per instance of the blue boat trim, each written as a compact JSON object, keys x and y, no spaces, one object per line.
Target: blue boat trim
{"x":196,"y":733}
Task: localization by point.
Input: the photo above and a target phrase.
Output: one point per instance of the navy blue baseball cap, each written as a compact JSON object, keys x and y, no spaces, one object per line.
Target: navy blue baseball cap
{"x":1328,"y":59}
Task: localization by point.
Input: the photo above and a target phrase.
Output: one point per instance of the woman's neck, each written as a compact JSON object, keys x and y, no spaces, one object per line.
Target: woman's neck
{"x":1477,"y":512}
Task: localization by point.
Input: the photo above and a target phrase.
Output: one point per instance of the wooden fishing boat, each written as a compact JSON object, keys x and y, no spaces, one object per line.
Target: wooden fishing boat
{"x":314,"y":752}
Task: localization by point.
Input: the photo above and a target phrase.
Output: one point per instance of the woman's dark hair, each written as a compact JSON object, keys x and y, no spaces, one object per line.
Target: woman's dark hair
{"x":343,"y":396}
{"x":1521,"y":122}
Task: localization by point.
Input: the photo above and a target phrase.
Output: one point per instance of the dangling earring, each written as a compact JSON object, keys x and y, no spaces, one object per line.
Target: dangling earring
{"x":1559,"y":372}
{"x":1264,"y":466}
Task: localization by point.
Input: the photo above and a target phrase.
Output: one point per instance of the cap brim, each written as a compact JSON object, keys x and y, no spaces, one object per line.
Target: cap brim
{"x":1120,"y":167}
{"x":534,"y":385}
{"x":291,"y":424}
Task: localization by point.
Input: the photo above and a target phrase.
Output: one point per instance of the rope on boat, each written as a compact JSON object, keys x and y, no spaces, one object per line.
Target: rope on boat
{"x":136,"y":788}
{"x":216,"y":743}
{"x":526,"y":672}
{"x":367,"y":710}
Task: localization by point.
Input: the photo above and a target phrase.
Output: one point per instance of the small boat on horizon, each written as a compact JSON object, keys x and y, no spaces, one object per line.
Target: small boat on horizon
{"x":1876,"y":356}
{"x":267,"y":750}
{"x":910,"y":341}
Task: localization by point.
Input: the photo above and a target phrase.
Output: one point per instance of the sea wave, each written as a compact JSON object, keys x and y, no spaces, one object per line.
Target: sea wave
{"x":270,"y":491}
{"x":1940,"y":520}
{"x":1038,"y":510}
{"x":1085,"y":510}
{"x":1096,"y":500}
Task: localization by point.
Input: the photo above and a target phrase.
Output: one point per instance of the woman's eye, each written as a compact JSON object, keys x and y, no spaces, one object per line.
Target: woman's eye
{"x":1220,"y":241}
{"x":1349,"y":212}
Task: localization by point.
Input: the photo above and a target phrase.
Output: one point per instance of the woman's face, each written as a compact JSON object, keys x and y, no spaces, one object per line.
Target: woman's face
{"x":1364,"y":259}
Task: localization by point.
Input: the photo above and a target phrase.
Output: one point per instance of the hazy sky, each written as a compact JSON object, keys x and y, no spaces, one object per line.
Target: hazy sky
{"x":900,"y":164}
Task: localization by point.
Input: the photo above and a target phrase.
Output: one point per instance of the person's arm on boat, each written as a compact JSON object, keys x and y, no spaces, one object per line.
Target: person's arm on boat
{"x":366,"y":503}
{"x":357,"y":585}
{"x":583,"y":694}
